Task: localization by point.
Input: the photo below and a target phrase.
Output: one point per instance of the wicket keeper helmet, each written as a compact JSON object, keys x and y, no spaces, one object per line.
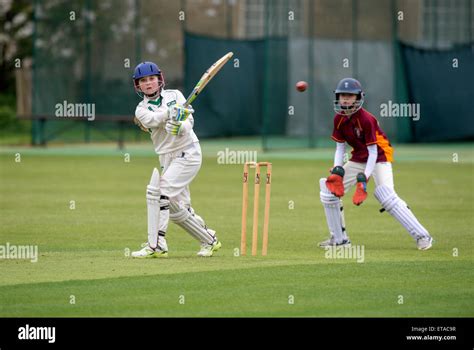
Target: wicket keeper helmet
{"x":146,"y":69}
{"x":349,"y":86}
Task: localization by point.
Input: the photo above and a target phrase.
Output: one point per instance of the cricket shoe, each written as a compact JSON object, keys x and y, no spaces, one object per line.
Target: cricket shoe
{"x":149,"y":253}
{"x":162,"y":245}
{"x":332,"y":242}
{"x":208,"y":250}
{"x":424,"y":243}
{"x":162,"y":248}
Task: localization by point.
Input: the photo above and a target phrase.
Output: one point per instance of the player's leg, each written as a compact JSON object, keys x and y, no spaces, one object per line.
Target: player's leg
{"x":152,"y":248}
{"x":184,"y":199}
{"x":203,"y":234}
{"x":175,"y":183}
{"x":351,"y":169}
{"x":165,"y":162}
{"x":395,"y":206}
{"x":343,"y":222}
{"x":164,"y":221}
{"x":196,"y":227}
{"x":332,"y":210}
{"x":206,"y":249}
{"x":333,"y":206}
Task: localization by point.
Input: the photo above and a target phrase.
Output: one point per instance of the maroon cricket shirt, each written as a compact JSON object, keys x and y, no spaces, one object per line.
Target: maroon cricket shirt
{"x":360,"y":130}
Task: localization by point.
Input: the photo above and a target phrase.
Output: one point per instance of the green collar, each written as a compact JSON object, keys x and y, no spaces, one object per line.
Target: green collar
{"x":156,"y":103}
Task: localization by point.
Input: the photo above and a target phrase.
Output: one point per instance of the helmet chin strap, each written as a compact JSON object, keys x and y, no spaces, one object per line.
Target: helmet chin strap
{"x":153,"y":96}
{"x":157,"y":92}
{"x":349,"y":110}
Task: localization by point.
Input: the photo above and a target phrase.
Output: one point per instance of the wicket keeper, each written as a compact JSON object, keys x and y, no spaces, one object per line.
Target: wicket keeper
{"x":372,"y":157}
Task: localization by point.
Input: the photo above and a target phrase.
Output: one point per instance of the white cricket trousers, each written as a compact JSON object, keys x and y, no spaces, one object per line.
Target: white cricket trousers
{"x":382,"y":174}
{"x":179,"y":169}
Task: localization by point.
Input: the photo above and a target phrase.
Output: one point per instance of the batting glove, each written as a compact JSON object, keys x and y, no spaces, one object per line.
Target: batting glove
{"x":360,"y":193}
{"x":174,"y":127}
{"x":180,"y":113}
{"x":334,"y":181}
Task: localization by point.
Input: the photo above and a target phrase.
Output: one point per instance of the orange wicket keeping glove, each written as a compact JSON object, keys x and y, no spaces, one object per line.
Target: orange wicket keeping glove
{"x":361,"y":189}
{"x":334,"y":181}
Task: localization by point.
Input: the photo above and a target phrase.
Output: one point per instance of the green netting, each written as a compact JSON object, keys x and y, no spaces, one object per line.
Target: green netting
{"x":323,"y":44}
{"x":441,"y":83}
{"x":90,"y":58}
{"x":231,"y":105}
{"x":235,"y":102}
{"x":84,"y":59}
{"x":84,"y":52}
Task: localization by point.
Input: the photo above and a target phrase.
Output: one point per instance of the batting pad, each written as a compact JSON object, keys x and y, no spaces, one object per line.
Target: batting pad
{"x":153,"y":208}
{"x":190,"y":224}
{"x":400,"y":211}
{"x":332,"y":209}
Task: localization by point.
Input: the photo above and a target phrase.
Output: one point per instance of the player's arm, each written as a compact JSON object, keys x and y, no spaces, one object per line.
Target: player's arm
{"x":181,"y":120}
{"x":151,"y":119}
{"x":179,"y":128}
{"x":371,"y":161}
{"x":339,"y":154}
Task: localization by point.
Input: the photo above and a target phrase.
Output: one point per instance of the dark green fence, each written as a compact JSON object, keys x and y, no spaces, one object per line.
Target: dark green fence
{"x":85,"y":51}
{"x":441,"y":82}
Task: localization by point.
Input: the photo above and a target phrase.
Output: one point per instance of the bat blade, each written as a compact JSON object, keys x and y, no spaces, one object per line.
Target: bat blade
{"x":207,"y":76}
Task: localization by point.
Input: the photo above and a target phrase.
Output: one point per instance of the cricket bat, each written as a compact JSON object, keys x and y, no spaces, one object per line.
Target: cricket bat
{"x":205,"y":79}
{"x":207,"y":76}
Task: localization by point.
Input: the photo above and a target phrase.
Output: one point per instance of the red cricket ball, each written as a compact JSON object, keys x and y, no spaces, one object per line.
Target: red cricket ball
{"x":301,"y":86}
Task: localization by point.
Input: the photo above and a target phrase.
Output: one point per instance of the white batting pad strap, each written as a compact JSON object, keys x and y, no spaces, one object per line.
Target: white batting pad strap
{"x":190,"y":224}
{"x":400,"y":211}
{"x":153,"y":208}
{"x":152,"y":193}
{"x":332,"y":209}
{"x":164,"y":203}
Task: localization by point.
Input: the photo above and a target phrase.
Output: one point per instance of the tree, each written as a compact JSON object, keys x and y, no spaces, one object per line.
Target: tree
{"x":16,"y":22}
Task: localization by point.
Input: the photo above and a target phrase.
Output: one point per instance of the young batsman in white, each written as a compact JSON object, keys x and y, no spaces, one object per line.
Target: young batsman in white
{"x":371,"y":157}
{"x":170,"y":124}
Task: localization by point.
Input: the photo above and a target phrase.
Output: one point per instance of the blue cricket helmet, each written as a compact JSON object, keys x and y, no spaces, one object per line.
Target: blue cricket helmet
{"x":146,"y":69}
{"x":349,"y":86}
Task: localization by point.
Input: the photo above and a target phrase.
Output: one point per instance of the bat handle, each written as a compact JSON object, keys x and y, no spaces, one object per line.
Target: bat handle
{"x":189,"y":100}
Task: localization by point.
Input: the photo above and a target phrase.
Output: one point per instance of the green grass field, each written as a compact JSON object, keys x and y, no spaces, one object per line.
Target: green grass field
{"x":83,"y":270}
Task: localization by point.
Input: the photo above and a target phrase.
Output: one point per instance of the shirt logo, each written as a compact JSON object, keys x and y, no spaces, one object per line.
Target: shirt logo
{"x":171,"y":103}
{"x":357,"y":132}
